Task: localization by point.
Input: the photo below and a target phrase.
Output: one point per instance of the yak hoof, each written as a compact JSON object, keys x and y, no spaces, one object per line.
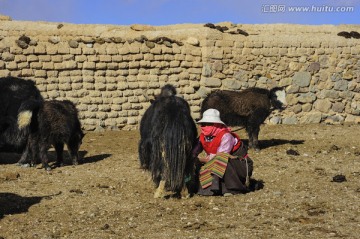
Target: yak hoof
{"x":47,"y":167}
{"x":185,"y":193}
{"x":160,"y":191}
{"x":159,"y":195}
{"x":59,"y":164}
{"x":24,"y":165}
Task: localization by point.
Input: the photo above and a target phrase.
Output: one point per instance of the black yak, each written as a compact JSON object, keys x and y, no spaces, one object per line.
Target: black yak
{"x":55,"y":123}
{"x":18,"y":98}
{"x":248,"y":108}
{"x":167,"y":136}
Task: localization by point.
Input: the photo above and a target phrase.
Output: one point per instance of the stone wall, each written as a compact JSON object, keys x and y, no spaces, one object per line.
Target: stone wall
{"x":112,"y":71}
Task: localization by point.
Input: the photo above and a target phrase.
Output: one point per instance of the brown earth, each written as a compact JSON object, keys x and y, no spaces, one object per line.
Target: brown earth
{"x":110,"y":197}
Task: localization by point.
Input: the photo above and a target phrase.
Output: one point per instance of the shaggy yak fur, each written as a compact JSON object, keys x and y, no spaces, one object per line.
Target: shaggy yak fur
{"x":248,"y":108}
{"x":18,"y":97}
{"x":55,"y":123}
{"x":167,"y":136}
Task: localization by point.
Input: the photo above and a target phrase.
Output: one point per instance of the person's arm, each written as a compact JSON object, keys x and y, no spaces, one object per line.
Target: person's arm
{"x":227,"y":143}
{"x":197,"y":149}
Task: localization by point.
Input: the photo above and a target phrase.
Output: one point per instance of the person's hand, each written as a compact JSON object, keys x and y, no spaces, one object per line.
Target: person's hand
{"x":203,"y":159}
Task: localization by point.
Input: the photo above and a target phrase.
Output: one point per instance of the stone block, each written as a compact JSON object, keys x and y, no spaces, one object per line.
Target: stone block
{"x":20,"y":58}
{"x":231,"y":84}
{"x":156,"y":50}
{"x":40,"y":73}
{"x":105,"y":58}
{"x":48,"y":65}
{"x":27,"y":72}
{"x":6,"y":56}
{"x":290,"y":120}
{"x":210,"y":82}
{"x":215,"y":54}
{"x":302,"y":79}
{"x":12,"y":66}
{"x":89,"y":51}
{"x":311,"y":118}
{"x":306,"y":107}
{"x":116,"y":58}
{"x":307,"y":97}
{"x":134,"y":64}
{"x":323,"y":105}
{"x":341,"y":85}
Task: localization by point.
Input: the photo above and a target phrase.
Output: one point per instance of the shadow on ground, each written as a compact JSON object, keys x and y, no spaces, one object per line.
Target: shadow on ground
{"x":11,"y":203}
{"x":12,"y":158}
{"x":95,"y":158}
{"x":268,"y":143}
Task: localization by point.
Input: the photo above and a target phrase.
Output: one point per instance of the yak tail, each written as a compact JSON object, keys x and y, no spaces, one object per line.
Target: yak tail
{"x":177,"y":154}
{"x":25,"y":113}
{"x":24,"y":119}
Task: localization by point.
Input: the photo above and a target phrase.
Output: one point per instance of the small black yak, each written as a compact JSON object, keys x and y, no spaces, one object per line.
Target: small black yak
{"x":168,"y":134}
{"x":55,"y":123}
{"x":248,"y":108}
{"x":18,"y":98}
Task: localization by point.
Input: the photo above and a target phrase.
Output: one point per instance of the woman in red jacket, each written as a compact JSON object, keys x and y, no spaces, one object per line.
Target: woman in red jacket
{"x":226,"y":169}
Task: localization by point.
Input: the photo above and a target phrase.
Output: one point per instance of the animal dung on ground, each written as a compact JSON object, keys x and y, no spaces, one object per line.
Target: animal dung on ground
{"x":23,"y":42}
{"x":339,"y":178}
{"x":210,"y":25}
{"x":165,"y":40}
{"x":355,"y":35}
{"x":292,"y":152}
{"x":225,"y":29}
{"x":242,"y":32}
{"x":334,"y":148}
{"x":352,"y":34}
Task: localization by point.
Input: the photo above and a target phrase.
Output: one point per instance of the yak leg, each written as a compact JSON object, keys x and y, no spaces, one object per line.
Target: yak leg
{"x":249,"y":131}
{"x":74,"y":157}
{"x":59,"y":148}
{"x":255,"y":135}
{"x":25,"y":155}
{"x":160,"y":191}
{"x":43,"y":155}
{"x":74,"y":154}
{"x":34,"y":148}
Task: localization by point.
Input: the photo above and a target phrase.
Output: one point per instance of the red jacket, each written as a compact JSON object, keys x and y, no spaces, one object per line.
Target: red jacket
{"x":212,"y":146}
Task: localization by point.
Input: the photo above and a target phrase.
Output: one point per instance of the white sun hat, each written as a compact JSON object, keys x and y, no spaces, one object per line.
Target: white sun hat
{"x":211,"y":116}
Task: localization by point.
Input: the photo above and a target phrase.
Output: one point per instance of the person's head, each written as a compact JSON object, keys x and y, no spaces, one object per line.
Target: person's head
{"x":210,"y":122}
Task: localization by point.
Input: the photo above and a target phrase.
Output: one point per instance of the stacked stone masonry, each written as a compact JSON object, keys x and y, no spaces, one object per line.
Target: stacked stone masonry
{"x":111,"y":72}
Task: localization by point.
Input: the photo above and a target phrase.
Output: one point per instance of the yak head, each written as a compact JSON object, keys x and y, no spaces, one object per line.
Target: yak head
{"x":278,"y":98}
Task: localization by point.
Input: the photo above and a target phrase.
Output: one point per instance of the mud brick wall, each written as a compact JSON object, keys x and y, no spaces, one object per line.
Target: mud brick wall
{"x":110,"y":72}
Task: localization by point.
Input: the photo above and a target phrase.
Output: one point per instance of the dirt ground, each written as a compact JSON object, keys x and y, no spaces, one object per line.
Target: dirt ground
{"x":109,"y":196}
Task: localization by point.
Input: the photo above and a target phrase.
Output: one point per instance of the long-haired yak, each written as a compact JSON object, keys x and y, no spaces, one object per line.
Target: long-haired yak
{"x":167,"y":136}
{"x":248,"y":108}
{"x":18,"y":98}
{"x":54,"y":123}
